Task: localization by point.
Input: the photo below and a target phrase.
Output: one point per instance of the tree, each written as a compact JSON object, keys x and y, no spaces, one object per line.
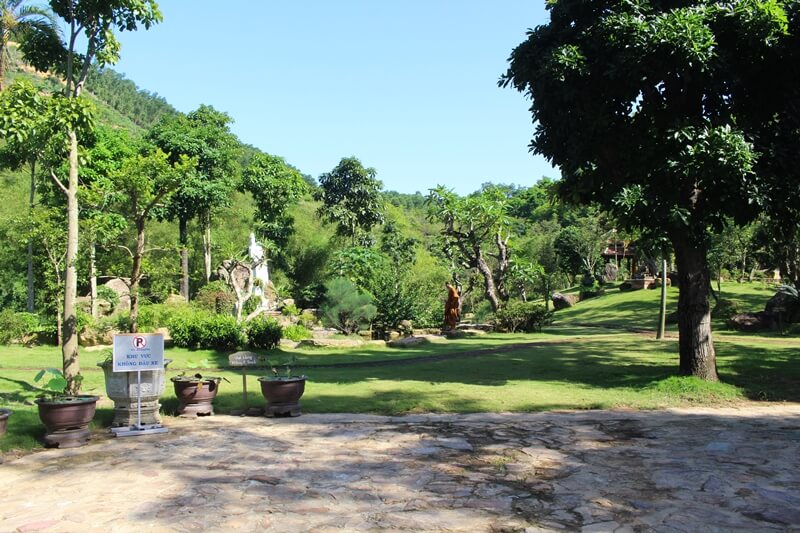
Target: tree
{"x":275,"y":187}
{"x":95,"y":22}
{"x":581,"y":243}
{"x":650,"y":109}
{"x":20,"y":21}
{"x":145,"y":181}
{"x":350,"y":196}
{"x":472,"y":226}
{"x":205,"y":135}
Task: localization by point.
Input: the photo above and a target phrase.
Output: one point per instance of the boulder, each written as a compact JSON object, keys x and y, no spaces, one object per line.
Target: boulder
{"x":481,"y":327}
{"x":657,"y":283}
{"x":331,"y":343}
{"x":760,"y":321}
{"x":610,"y":273}
{"x":785,"y":305}
{"x":463,"y":333}
{"x":413,"y":340}
{"x":120,"y":286}
{"x":563,"y":301}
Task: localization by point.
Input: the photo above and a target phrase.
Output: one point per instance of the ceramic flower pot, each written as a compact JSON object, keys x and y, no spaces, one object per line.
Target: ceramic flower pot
{"x":195,"y":395}
{"x":66,"y":419}
{"x":4,"y":414}
{"x":283,"y":395}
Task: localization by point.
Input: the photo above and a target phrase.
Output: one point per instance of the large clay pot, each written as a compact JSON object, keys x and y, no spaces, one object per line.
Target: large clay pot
{"x":67,"y":419}
{"x":121,"y":388}
{"x":4,"y":414}
{"x":283,"y":395}
{"x":195,"y":395}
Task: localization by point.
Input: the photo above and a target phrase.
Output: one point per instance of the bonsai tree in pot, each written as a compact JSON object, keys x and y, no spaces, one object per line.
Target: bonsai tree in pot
{"x":65,"y":416}
{"x":196,"y":393}
{"x":282,"y":390}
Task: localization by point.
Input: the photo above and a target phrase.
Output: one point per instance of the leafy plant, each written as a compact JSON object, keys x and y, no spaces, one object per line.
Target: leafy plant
{"x":345,"y":308}
{"x":197,"y":377}
{"x":523,"y":316}
{"x":296,"y":332}
{"x":14,"y":327}
{"x":56,"y":386}
{"x":216,"y":297}
{"x":204,"y":330}
{"x":263,"y":333}
{"x":283,"y":370}
{"x":290,"y":310}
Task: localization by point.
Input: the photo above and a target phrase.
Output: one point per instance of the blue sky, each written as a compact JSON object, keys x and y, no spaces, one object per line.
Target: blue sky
{"x":409,"y":87}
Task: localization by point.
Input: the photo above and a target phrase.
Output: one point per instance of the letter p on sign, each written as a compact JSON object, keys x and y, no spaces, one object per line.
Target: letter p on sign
{"x":139,"y":342}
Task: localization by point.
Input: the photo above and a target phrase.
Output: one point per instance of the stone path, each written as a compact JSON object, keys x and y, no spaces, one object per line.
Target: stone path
{"x":733,"y":469}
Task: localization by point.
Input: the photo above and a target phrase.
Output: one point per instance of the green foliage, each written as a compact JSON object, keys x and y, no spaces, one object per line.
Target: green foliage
{"x":263,"y":333}
{"x":592,"y":290}
{"x":55,"y":386}
{"x":350,"y":196}
{"x":216,"y":297}
{"x":726,"y":308}
{"x":109,"y":295}
{"x":206,"y":330}
{"x":142,"y":107}
{"x":14,"y":327}
{"x":345,"y":308}
{"x":517,"y":315}
{"x":290,"y":310}
{"x":296,"y":332}
{"x":275,"y":187}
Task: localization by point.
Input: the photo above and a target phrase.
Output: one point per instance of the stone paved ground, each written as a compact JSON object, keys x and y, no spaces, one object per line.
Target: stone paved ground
{"x":676,"y":470}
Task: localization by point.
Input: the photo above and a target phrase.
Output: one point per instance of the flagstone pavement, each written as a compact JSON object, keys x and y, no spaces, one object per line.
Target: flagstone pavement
{"x":728,"y":469}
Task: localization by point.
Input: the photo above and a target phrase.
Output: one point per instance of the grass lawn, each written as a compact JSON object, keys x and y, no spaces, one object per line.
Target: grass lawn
{"x":565,"y":367}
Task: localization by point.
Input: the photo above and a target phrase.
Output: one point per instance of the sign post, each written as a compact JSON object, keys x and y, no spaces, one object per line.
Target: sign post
{"x":134,"y":352}
{"x":244,"y":359}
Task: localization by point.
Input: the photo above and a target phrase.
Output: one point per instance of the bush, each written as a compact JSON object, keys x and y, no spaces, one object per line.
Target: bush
{"x":263,"y":333}
{"x":154,"y":316}
{"x":14,"y":327}
{"x":523,"y":316}
{"x":108,"y":294}
{"x":296,"y":332}
{"x":290,"y":310}
{"x":206,"y":330}
{"x":345,"y":308}
{"x":307,"y":319}
{"x":726,"y":309}
{"x":591,"y":291}
{"x":216,"y":297}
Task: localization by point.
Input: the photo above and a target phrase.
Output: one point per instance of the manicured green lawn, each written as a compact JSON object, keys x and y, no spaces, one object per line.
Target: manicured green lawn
{"x":565,"y":367}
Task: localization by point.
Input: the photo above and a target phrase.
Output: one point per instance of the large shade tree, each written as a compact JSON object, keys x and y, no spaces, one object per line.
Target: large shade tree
{"x":673,"y":115}
{"x":203,"y":134}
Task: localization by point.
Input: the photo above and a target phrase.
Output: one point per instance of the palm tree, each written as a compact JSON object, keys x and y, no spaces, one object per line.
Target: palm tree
{"x":18,"y":19}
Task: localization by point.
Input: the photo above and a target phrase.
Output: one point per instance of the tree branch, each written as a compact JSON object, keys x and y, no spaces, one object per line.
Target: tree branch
{"x":58,"y":182}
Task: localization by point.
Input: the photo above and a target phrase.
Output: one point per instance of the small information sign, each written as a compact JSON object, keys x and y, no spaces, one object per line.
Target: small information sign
{"x":138,"y":351}
{"x":243,"y":359}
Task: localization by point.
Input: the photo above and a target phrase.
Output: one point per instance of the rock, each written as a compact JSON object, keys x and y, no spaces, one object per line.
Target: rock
{"x":120,"y":286}
{"x":405,"y":328}
{"x":480,"y":327}
{"x":463,"y":333}
{"x":563,"y":301}
{"x":414,"y":340}
{"x":785,"y":305}
{"x":175,"y":299}
{"x":760,"y":321}
{"x":657,"y":283}
{"x":323,"y":333}
{"x":330,"y":343}
{"x":610,"y":273}
{"x":625,"y":286}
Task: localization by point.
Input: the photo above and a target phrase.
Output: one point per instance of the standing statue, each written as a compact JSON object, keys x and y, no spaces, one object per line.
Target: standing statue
{"x":260,"y":270}
{"x":452,"y":311}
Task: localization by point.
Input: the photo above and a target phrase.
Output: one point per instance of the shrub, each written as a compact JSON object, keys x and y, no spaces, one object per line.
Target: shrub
{"x":591,"y":291}
{"x":154,"y":316}
{"x":296,"y":332}
{"x":290,"y":310}
{"x":14,"y":327}
{"x":263,"y":333}
{"x":307,"y":319}
{"x":206,"y":330}
{"x":108,"y":294}
{"x":345,"y":308}
{"x":726,"y":309}
{"x":523,"y":316}
{"x":216,"y":297}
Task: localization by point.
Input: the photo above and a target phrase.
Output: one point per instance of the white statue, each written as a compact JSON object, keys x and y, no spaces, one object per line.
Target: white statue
{"x":260,"y":270}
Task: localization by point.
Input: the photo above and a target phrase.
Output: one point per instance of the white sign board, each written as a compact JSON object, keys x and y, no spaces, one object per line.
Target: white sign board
{"x":138,"y":351}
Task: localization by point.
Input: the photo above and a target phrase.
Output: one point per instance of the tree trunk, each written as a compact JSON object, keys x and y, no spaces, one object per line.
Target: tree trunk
{"x":136,"y":275}
{"x":31,"y":301}
{"x":93,"y":277}
{"x":697,"y":356}
{"x":489,"y":288}
{"x":662,"y":309}
{"x":183,"y":238}
{"x":69,"y":340}
{"x":207,"y":249}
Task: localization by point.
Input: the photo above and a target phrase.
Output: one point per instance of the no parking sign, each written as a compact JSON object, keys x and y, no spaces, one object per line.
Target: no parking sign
{"x":138,"y":351}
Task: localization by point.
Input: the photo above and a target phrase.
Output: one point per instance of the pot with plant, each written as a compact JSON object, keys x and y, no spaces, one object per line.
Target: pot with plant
{"x":66,"y":417}
{"x":121,"y":388}
{"x":196,"y":393}
{"x":4,"y":414}
{"x":282,"y":390}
